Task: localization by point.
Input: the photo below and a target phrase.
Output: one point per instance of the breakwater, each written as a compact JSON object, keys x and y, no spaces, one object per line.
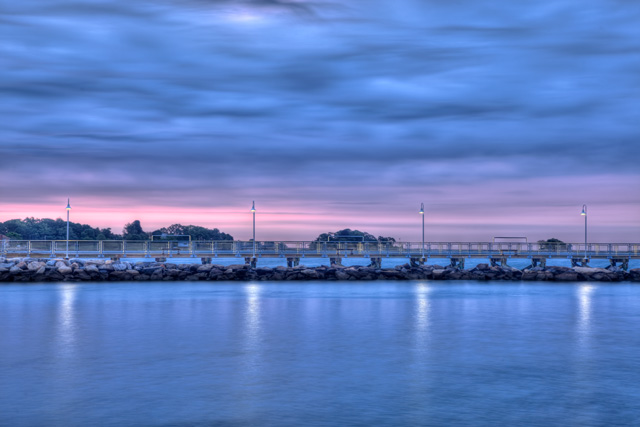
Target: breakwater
{"x":56,"y":270}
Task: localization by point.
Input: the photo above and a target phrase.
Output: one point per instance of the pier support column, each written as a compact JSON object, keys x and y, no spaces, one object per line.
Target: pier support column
{"x":579,"y":262}
{"x":205,"y":260}
{"x":625,"y":263}
{"x":250,"y":261}
{"x":498,"y":261}
{"x":335,"y":261}
{"x":536,"y":261}
{"x":457,"y":263}
{"x":293,"y":262}
{"x":414,"y":262}
{"x":376,"y":263}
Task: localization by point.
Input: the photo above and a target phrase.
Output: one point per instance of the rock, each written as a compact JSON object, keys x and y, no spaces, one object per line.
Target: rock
{"x":309,"y":274}
{"x":568,"y":276}
{"x":120,"y":266}
{"x":91,"y":268}
{"x":81,"y":274}
{"x":590,"y":270}
{"x":149,"y":271}
{"x":205,"y":268}
{"x":35,"y":265}
{"x":64,"y":270}
{"x":119,"y":275}
{"x":341,"y":275}
{"x":439,"y":274}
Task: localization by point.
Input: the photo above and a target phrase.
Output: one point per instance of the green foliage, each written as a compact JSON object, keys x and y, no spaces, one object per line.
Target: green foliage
{"x":346,"y":235}
{"x":133,"y":231}
{"x":552,"y":244}
{"x":196,"y":232}
{"x":49,"y":229}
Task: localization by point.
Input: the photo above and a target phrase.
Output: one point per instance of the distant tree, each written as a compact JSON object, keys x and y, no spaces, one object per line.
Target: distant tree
{"x":133,"y":231}
{"x":14,"y":236}
{"x":552,"y":244}
{"x":49,"y":229}
{"x":386,"y":239}
{"x":196,"y":232}
{"x":346,"y":235}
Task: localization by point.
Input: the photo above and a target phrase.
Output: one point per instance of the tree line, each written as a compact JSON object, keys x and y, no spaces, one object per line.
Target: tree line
{"x":50,"y":229}
{"x":56,"y":229}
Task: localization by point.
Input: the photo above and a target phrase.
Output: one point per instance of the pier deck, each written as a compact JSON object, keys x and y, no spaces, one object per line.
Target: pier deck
{"x":456,"y":252}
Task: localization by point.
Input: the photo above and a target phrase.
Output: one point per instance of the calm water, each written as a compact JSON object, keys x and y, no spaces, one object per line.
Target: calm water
{"x":305,"y":354}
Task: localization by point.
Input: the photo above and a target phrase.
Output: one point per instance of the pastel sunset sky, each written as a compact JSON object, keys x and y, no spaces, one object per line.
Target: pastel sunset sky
{"x":503,"y":117}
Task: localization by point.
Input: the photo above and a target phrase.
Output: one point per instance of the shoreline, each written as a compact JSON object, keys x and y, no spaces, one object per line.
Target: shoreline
{"x":82,"y":270}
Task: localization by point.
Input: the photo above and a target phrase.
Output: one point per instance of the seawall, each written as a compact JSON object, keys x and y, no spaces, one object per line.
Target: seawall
{"x":78,"y":270}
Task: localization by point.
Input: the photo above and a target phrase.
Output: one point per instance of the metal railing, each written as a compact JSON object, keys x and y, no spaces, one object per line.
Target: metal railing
{"x":227,"y":248}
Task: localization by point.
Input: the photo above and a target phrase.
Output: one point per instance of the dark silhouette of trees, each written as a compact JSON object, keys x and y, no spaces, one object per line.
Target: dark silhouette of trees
{"x":552,"y":244}
{"x":49,"y":229}
{"x":133,"y":231}
{"x":196,"y":232}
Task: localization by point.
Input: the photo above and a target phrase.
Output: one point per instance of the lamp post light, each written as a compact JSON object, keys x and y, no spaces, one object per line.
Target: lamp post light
{"x":422,"y":215}
{"x":68,"y":210}
{"x":253,"y":211}
{"x":584,"y":213}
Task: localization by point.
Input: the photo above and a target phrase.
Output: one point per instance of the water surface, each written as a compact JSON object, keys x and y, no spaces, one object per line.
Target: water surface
{"x":378,"y":353}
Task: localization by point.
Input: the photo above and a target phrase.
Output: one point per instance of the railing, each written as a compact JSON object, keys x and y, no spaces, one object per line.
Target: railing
{"x":227,"y":248}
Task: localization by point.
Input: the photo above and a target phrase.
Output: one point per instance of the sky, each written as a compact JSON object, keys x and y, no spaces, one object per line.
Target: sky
{"x":502,"y":117}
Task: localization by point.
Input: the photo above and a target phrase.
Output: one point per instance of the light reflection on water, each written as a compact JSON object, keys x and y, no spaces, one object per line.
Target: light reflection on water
{"x":382,"y":353}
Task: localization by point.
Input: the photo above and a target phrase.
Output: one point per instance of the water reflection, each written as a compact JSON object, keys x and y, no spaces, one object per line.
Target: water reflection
{"x":421,"y":317}
{"x":252,"y":329}
{"x":66,"y":321}
{"x":585,"y":314}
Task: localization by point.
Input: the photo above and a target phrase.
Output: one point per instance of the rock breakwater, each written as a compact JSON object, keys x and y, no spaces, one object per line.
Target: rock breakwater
{"x":76,"y":270}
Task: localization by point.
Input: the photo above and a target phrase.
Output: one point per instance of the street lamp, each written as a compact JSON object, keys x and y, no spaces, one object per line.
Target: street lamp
{"x":584,"y":213}
{"x":422,"y":215}
{"x":68,"y":210}
{"x":253,"y":210}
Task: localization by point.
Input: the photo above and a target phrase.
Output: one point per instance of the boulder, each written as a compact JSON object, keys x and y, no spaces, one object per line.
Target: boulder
{"x":64,"y":270}
{"x":35,"y":265}
{"x":568,"y":276}
{"x":91,"y":268}
{"x":205,"y":268}
{"x":341,"y":275}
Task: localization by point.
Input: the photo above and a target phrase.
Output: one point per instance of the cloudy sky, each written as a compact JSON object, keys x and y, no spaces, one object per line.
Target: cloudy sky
{"x":503,"y":117}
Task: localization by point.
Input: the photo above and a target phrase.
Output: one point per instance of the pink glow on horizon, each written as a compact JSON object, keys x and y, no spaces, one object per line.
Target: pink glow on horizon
{"x":538,"y":208}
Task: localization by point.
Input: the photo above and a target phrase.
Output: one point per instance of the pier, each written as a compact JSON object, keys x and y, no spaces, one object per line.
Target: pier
{"x":498,"y":253}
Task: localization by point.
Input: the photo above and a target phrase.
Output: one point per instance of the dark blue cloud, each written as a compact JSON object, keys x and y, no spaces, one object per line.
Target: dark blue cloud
{"x":265,"y":93}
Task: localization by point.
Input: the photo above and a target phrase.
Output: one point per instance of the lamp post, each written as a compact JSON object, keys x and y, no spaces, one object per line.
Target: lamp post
{"x":68,"y":210}
{"x":584,"y":213}
{"x":253,"y":210}
{"x":422,"y":215}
